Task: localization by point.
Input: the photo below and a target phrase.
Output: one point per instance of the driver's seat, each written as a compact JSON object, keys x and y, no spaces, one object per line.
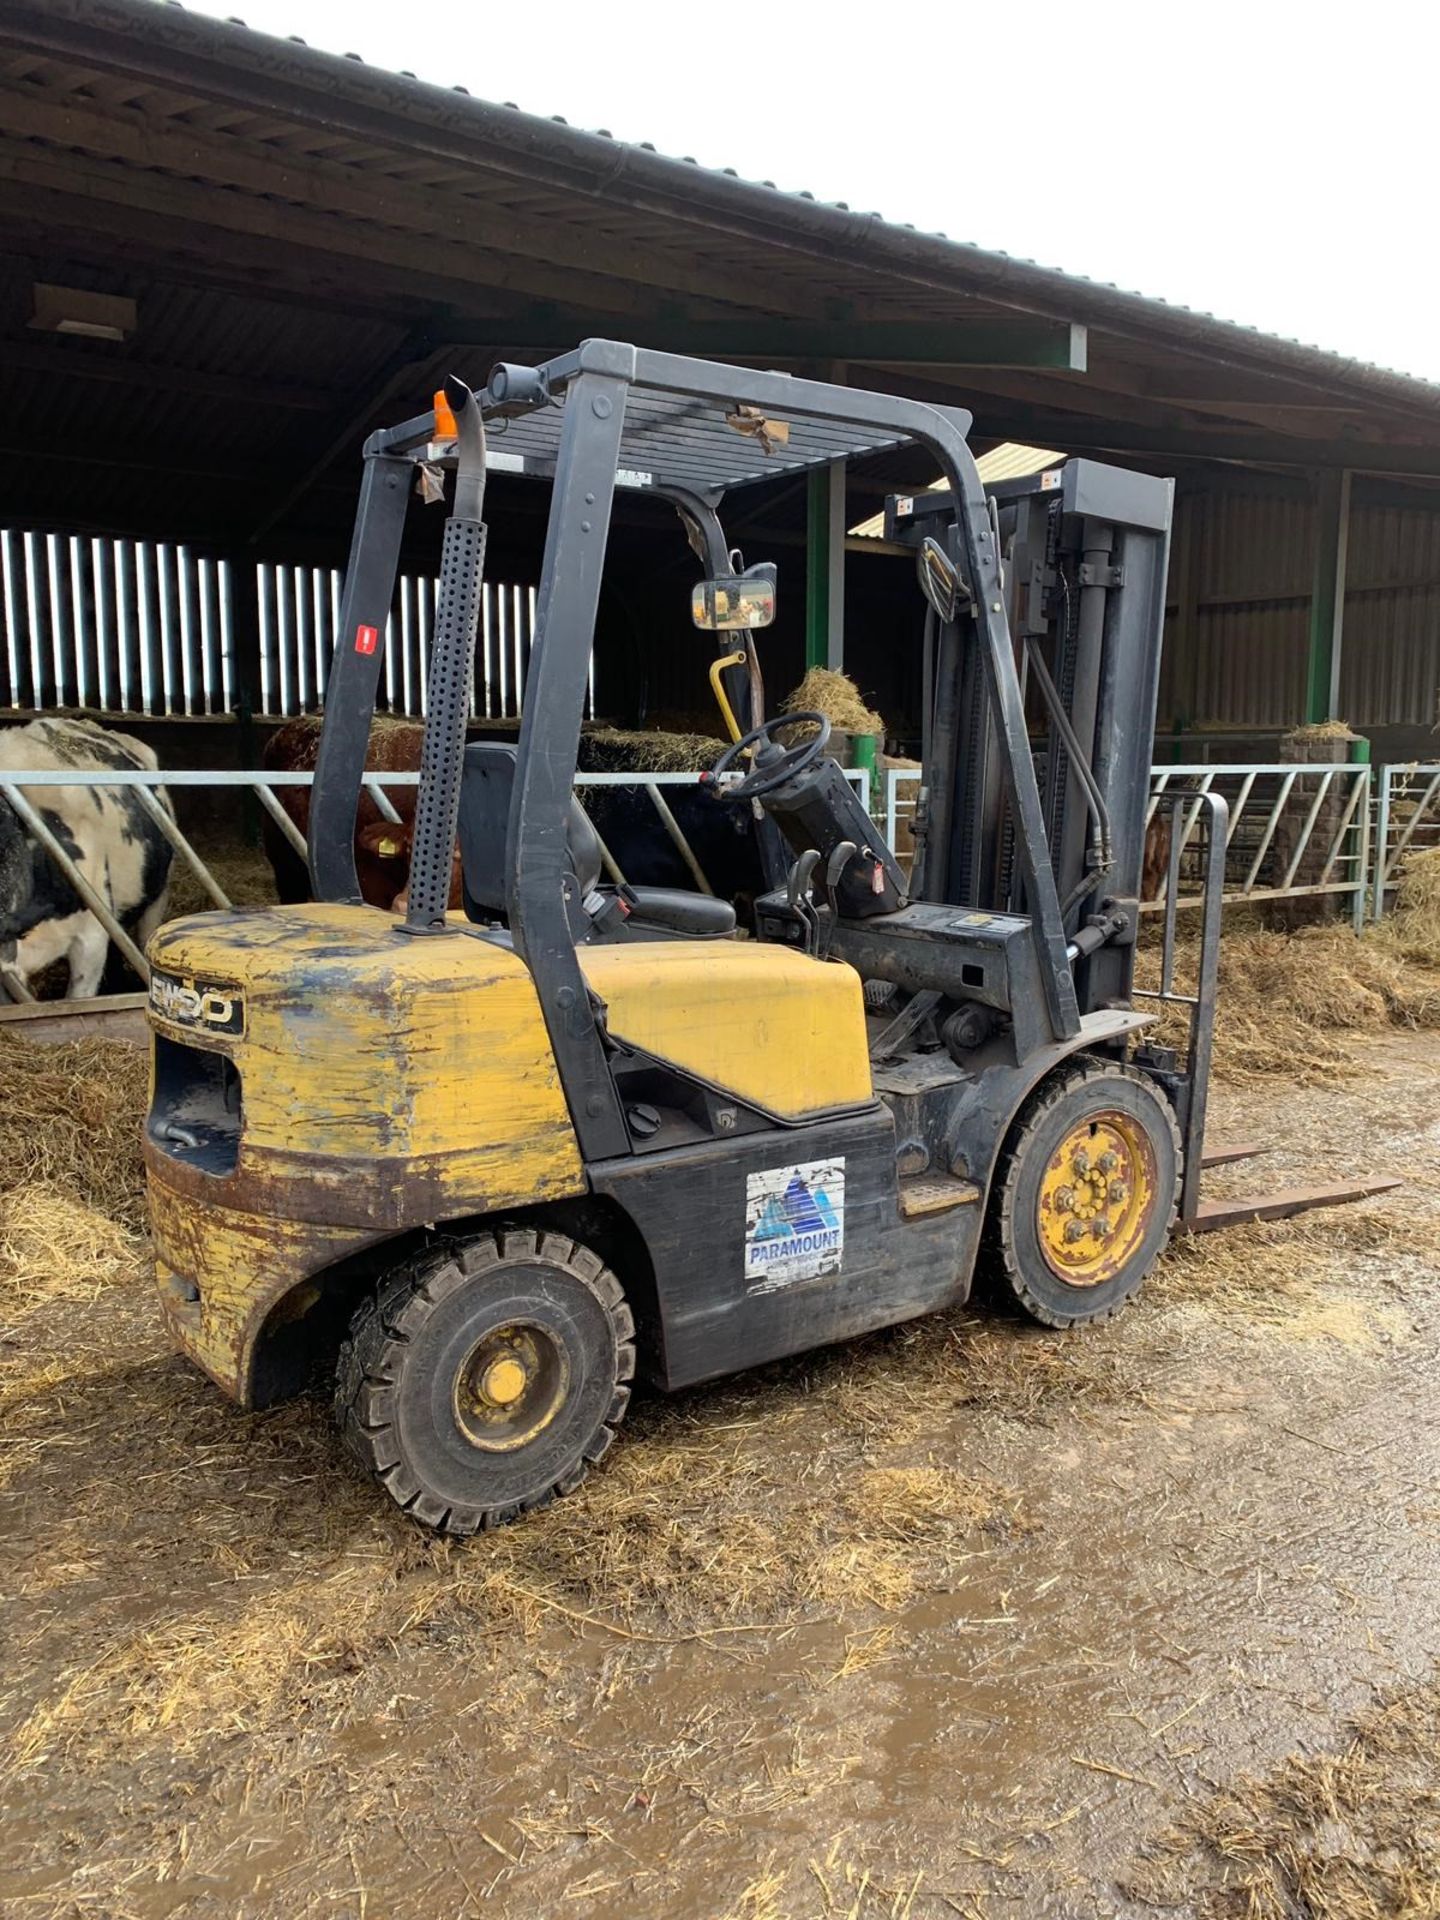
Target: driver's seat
{"x":607,"y":913}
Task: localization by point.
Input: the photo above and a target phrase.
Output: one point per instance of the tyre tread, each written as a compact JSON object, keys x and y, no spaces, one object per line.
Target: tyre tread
{"x":395,"y":1310}
{"x":999,"y":1266}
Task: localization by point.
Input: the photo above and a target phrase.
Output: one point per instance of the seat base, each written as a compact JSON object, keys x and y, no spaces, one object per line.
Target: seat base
{"x":692,"y":916}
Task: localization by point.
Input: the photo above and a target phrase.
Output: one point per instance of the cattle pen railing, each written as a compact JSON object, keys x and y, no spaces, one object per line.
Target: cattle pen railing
{"x":1407,"y":820}
{"x":16,"y":787}
{"x":1295,"y":830}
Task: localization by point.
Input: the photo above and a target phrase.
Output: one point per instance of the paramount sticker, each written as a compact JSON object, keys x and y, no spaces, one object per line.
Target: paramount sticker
{"x":794,"y":1224}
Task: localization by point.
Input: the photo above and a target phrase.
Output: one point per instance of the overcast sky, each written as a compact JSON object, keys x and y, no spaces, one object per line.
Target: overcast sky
{"x":1270,"y":163}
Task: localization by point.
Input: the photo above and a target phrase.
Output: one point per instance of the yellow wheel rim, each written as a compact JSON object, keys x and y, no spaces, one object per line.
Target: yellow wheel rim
{"x":509,"y":1387}
{"x":1097,"y":1199}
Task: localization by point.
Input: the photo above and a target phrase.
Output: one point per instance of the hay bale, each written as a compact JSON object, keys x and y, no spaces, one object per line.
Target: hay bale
{"x":905,"y":798}
{"x":1413,"y":926}
{"x":616,"y":750}
{"x":1320,"y":730}
{"x":838,"y":698}
{"x":70,"y":1121}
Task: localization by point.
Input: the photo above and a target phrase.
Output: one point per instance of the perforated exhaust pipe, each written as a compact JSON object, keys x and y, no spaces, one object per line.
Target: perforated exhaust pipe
{"x":452,"y":664}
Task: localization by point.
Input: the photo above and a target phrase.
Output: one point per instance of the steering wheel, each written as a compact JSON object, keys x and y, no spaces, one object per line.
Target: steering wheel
{"x":780,"y":763}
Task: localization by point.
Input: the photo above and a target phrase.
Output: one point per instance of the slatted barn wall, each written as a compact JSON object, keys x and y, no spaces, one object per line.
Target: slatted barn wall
{"x":147,"y":628}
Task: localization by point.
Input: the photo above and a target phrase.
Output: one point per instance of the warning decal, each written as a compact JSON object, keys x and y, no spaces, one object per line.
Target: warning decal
{"x":794,"y":1224}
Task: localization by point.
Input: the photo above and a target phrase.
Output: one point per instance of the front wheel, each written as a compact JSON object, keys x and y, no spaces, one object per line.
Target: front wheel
{"x":485,"y":1376}
{"x":1084,"y":1197}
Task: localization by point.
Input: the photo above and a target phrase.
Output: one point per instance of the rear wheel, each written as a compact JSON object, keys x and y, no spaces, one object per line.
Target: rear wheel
{"x":1085,"y":1195}
{"x":486,"y":1376}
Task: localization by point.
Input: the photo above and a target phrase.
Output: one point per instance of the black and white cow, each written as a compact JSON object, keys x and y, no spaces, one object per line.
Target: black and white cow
{"x":107,"y":833}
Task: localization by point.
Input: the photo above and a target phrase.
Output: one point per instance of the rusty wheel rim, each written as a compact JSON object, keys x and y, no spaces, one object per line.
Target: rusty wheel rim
{"x":1096,"y":1199}
{"x":510,"y":1386}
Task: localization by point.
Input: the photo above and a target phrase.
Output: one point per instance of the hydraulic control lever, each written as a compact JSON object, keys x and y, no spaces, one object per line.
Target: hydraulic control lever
{"x":800,"y":899}
{"x":817,"y":916}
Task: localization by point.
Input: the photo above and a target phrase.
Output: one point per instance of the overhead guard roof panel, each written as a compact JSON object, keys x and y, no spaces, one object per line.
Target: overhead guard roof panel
{"x":684,"y":424}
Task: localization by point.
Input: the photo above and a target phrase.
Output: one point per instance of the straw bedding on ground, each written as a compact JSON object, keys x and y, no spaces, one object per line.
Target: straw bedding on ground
{"x":1298,"y":1005}
{"x":69,"y":1121}
{"x":207,"y":1573}
{"x":1351,"y":1833}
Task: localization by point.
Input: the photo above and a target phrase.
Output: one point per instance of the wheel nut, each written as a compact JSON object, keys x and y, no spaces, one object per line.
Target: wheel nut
{"x":1107,"y":1162}
{"x":1119,"y":1192}
{"x":1101,"y":1228}
{"x":1074,"y":1230}
{"x":1081,"y":1163}
{"x":1065,"y":1199}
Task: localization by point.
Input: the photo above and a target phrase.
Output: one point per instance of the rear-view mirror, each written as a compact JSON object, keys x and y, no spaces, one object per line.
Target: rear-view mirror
{"x":735,"y":600}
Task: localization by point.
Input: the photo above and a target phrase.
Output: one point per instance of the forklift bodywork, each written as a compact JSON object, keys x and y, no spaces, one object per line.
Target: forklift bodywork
{"x":736,"y":1149}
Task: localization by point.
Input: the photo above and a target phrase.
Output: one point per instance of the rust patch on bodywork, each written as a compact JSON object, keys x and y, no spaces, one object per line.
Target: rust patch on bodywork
{"x":383,"y":1084}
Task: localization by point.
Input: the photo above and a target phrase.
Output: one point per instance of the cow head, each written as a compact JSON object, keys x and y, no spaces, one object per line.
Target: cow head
{"x":385,"y":881}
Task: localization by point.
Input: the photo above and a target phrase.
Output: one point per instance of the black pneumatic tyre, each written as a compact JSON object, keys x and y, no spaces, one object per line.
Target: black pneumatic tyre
{"x":486,"y":1376}
{"x":1084,"y":1195}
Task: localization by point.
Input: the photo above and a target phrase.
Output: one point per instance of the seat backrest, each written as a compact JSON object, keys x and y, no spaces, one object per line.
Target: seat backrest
{"x":487,"y":787}
{"x":486,"y":784}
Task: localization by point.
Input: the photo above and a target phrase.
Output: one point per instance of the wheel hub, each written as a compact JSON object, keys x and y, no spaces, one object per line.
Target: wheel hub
{"x":505,"y":1380}
{"x":1096,"y":1199}
{"x":510,"y":1386}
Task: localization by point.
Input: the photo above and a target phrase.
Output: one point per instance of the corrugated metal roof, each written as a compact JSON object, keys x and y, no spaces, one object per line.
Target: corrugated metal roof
{"x":988,"y":261}
{"x":853,"y":243}
{"x":311,"y":240}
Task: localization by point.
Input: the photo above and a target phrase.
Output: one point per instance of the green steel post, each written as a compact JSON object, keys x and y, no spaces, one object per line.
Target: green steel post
{"x":825,"y":566}
{"x":817,"y":567}
{"x":1327,"y":598}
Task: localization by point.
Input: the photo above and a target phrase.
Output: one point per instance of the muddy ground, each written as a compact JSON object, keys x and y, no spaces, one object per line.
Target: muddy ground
{"x":961,"y":1619}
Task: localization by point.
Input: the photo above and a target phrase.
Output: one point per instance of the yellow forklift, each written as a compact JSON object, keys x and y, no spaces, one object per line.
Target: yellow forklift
{"x":478,"y":1168}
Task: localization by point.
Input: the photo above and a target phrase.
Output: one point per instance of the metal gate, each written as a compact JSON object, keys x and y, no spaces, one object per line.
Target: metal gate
{"x":1407,"y":818}
{"x":1293,"y":831}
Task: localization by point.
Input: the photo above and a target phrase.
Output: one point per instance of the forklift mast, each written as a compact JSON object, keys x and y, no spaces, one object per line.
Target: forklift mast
{"x":1084,"y":549}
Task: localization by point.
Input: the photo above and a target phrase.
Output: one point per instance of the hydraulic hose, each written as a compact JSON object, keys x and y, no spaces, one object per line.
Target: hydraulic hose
{"x":1100,"y":840}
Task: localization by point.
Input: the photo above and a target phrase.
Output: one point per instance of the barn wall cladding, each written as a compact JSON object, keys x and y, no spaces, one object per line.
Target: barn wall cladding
{"x":1236,"y":658}
{"x":297,"y":246}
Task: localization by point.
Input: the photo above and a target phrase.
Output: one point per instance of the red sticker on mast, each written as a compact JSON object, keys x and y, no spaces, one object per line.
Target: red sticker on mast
{"x":366,"y":639}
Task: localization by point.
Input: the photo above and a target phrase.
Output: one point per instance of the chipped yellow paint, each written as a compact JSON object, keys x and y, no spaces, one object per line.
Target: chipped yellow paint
{"x":245,"y":1265}
{"x":360,"y":1040}
{"x":386,"y":1082}
{"x":775,"y":1028}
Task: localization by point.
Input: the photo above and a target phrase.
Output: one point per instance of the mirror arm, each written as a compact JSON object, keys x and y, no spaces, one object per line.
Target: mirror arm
{"x":700,"y":512}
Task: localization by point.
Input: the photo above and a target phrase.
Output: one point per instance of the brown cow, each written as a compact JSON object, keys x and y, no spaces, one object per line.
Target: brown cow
{"x":1156,"y":862}
{"x":382,"y":847}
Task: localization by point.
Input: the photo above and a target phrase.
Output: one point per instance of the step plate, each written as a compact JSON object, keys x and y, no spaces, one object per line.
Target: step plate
{"x":935,"y":1193}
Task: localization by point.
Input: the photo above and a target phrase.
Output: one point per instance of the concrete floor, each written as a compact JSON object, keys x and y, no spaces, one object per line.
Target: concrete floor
{"x":233,"y":1686}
